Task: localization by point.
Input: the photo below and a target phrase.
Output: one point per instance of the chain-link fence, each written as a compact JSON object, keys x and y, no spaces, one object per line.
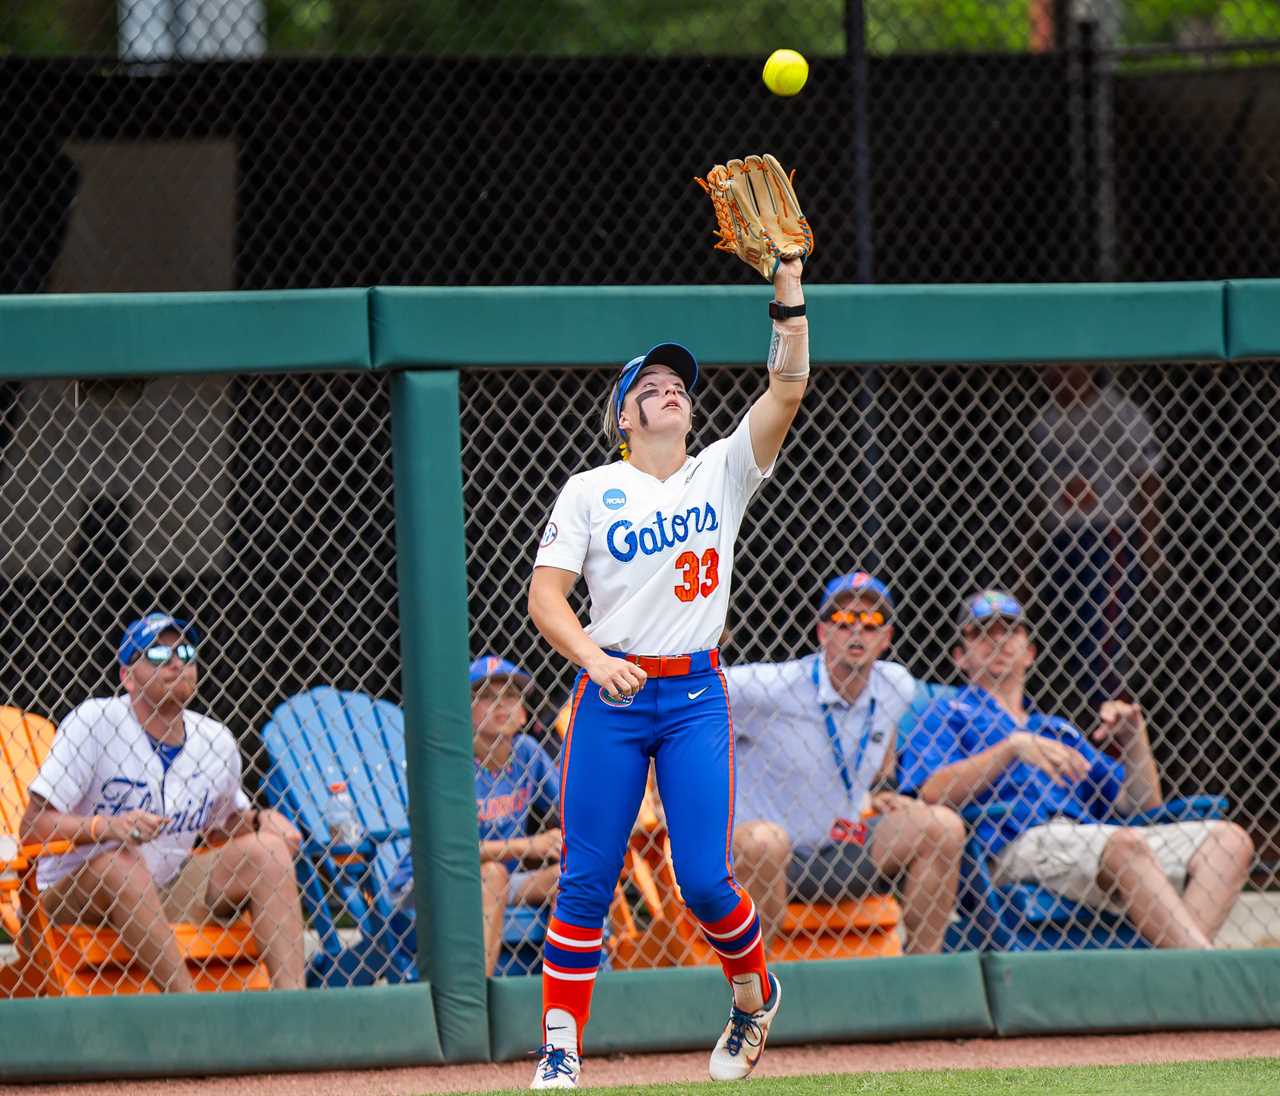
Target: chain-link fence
{"x":1127,"y":509}
{"x":258,"y":509}
{"x":176,"y":144}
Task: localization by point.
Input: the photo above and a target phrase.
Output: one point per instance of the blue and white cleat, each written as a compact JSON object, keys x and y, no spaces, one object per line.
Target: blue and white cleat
{"x":557,"y":1068}
{"x":741,"y":1043}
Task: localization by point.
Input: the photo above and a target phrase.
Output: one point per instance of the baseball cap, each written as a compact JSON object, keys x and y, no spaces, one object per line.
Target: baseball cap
{"x":982,"y":607}
{"x":857,"y":582}
{"x":670,"y":354}
{"x":487,"y":666}
{"x":142,"y":633}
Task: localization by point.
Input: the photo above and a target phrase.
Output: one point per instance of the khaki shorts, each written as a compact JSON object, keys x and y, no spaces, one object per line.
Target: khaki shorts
{"x":185,"y":898}
{"x":1065,"y":857}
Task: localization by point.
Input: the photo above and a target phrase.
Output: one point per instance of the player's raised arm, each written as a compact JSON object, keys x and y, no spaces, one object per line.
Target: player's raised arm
{"x":773,"y":413}
{"x":759,"y":219}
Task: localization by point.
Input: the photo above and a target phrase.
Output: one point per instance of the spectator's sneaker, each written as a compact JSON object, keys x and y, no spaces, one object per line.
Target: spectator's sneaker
{"x":557,"y":1069}
{"x":742,"y":1041}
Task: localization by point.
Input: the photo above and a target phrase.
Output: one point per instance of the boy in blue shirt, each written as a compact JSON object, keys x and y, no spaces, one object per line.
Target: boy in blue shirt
{"x":514,"y":776}
{"x":1065,"y":827}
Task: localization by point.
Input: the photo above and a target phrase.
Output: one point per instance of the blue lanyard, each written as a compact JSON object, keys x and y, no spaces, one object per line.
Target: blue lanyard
{"x":837,"y":747}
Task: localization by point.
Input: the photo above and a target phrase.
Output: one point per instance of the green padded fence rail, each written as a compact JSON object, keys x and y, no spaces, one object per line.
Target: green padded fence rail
{"x":822,"y":1001}
{"x":1040,"y":993}
{"x":167,"y":334}
{"x":887,"y":324}
{"x":189,"y":1034}
{"x":1253,"y":319}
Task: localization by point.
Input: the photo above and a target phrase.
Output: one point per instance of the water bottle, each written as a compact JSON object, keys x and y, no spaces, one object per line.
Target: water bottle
{"x":344,"y":823}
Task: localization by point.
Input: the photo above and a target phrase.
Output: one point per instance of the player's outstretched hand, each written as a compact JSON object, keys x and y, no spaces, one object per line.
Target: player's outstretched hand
{"x":616,"y":675}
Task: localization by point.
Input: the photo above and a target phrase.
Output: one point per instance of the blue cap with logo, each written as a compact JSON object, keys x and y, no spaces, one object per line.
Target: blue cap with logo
{"x":487,"y":666}
{"x":141,"y":634}
{"x":856,"y":582}
{"x":672,"y":355}
{"x":987,"y":605}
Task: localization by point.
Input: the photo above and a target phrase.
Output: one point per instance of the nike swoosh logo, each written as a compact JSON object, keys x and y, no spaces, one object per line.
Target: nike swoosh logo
{"x":694,"y":696}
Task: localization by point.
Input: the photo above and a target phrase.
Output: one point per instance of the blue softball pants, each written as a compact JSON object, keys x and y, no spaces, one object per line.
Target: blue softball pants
{"x":684,"y":724}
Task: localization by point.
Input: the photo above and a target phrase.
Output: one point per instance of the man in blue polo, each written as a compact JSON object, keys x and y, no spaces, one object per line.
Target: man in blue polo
{"x":818,"y":819}
{"x":514,"y":777}
{"x":1175,"y":883}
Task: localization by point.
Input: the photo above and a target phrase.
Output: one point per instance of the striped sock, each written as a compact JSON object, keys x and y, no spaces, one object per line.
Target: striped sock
{"x":738,"y":942}
{"x":570,"y":958}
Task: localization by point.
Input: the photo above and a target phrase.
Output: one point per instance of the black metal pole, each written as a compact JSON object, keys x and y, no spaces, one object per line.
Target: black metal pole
{"x":855,"y":39}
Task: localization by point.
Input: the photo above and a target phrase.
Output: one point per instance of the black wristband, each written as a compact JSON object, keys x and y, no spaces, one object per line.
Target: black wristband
{"x":780,"y":311}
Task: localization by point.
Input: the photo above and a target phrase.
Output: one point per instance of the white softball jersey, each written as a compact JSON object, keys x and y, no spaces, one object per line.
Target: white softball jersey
{"x":657,"y":554}
{"x":103,"y":762}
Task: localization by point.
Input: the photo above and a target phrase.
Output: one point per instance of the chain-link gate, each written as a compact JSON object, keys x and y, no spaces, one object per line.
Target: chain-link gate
{"x":1129,"y":509}
{"x":253,"y":144}
{"x":259,"y":510}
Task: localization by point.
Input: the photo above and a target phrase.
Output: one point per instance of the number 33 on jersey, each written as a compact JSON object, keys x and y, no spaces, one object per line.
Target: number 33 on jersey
{"x":658,"y":554}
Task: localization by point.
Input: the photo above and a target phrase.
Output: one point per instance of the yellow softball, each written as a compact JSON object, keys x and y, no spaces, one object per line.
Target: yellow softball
{"x":785,"y":72}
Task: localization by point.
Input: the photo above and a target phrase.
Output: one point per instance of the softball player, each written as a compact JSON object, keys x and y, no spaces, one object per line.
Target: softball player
{"x":653,"y":535}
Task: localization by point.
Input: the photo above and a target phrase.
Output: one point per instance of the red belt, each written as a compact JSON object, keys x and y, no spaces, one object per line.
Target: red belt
{"x":676,"y":665}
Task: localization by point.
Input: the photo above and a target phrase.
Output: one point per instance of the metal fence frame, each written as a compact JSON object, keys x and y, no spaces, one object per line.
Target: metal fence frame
{"x":426,"y":336}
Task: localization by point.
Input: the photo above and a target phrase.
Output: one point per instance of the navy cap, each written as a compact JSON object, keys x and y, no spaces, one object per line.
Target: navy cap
{"x":487,"y":666}
{"x":672,"y":355}
{"x":142,"y":633}
{"x":988,"y":605}
{"x":857,"y":582}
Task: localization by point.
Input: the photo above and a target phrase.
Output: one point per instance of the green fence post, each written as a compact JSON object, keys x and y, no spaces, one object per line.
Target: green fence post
{"x":431,"y":550}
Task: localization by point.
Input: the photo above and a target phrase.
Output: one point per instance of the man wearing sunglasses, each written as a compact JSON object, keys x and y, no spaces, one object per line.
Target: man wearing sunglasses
{"x":816,"y":755}
{"x":131,"y":781}
{"x":989,"y":744}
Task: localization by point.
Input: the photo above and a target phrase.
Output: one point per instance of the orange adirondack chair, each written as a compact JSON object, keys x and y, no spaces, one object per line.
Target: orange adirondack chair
{"x":78,"y":961}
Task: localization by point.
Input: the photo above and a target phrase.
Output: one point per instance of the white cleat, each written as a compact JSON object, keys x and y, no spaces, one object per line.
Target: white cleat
{"x":742,"y":1042}
{"x":557,"y":1069}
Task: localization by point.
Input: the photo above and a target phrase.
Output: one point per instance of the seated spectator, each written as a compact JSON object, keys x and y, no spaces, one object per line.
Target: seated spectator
{"x":131,"y":781}
{"x":1065,"y":830}
{"x":816,"y":753}
{"x":514,"y":777}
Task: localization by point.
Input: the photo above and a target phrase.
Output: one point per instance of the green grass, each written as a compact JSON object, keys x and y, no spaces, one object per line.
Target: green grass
{"x":1242,"y":1077}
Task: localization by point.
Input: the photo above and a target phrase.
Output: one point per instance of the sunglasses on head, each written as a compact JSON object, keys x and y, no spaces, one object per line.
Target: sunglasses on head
{"x":158,"y":654}
{"x":867,"y":618}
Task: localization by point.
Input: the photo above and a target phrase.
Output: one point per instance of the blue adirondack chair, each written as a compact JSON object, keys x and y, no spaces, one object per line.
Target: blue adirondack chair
{"x":322,"y":736}
{"x":1027,"y":916}
{"x":317,"y":738}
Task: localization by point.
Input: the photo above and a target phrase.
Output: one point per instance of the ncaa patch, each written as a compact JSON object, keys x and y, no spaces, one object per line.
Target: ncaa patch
{"x":549,"y":535}
{"x":615,"y":498}
{"x":612,"y":701}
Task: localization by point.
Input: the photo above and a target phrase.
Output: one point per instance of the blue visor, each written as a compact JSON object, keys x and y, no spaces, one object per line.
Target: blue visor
{"x":859,"y":582}
{"x":141,"y":634}
{"x":487,"y":666}
{"x":672,"y":355}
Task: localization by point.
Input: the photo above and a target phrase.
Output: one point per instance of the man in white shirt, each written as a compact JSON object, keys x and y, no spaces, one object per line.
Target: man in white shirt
{"x":816,"y":754}
{"x":131,"y":781}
